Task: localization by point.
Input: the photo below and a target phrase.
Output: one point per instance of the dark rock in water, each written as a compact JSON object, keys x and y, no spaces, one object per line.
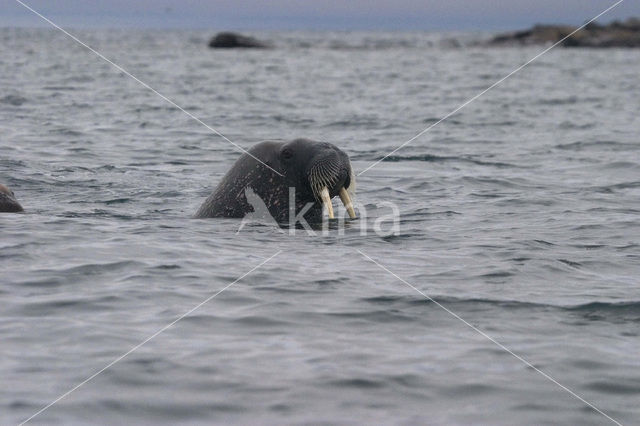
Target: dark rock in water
{"x":615,"y":34}
{"x":8,"y":202}
{"x":228,"y":40}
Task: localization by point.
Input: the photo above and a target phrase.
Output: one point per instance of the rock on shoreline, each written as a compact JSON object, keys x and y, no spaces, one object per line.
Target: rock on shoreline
{"x":615,"y":34}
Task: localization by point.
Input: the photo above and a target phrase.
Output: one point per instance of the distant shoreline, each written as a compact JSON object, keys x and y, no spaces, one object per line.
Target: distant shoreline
{"x":615,"y":34}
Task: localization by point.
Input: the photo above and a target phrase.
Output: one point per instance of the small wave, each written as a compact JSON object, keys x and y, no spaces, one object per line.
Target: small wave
{"x":617,"y":165}
{"x":11,"y":164}
{"x":497,"y":275}
{"x":609,"y":189}
{"x":60,"y":88}
{"x":624,"y":185}
{"x":559,"y":101}
{"x":514,"y":183}
{"x":570,"y":263}
{"x":589,"y":246}
{"x":80,"y":79}
{"x":167,"y":266}
{"x":420,"y":213}
{"x":100,"y":268}
{"x":292,"y":119}
{"x":14,"y":100}
{"x":476,"y":124}
{"x":567,"y":125}
{"x":610,"y":145}
{"x":260,"y":321}
{"x":371,"y":123}
{"x":382,"y":316}
{"x":71,"y":305}
{"x":467,"y":389}
{"x":117,"y":201}
{"x":430,"y":158}
{"x":63,"y":131}
{"x":618,"y":387}
{"x":417,"y":300}
{"x":628,"y":307}
{"x":358,"y":382}
{"x":373,"y":44}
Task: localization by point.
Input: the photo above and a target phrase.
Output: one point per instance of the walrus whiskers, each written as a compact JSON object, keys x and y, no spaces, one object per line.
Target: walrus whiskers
{"x":323,"y":177}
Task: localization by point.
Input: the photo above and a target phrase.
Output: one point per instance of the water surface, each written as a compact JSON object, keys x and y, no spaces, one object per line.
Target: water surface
{"x":519,"y":214}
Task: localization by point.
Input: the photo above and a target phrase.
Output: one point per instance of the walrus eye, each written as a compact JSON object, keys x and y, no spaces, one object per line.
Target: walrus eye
{"x":287,"y":154}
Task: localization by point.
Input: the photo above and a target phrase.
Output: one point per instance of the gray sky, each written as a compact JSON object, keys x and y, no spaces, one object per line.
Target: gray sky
{"x":309,"y":14}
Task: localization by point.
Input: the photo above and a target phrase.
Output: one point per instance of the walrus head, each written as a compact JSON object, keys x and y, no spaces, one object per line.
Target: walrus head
{"x":320,"y":171}
{"x":8,"y":202}
{"x":317,"y":171}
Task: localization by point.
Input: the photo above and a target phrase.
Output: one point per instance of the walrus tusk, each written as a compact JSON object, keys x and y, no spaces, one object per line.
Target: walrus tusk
{"x":326,"y":200}
{"x":344,"y":196}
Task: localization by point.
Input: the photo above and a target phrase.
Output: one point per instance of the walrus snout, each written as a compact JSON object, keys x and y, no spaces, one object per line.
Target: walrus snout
{"x":8,"y":202}
{"x":330,"y":174}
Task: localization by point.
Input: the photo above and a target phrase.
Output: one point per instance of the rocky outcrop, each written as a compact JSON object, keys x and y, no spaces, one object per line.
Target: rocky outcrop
{"x":229,"y":40}
{"x":615,"y":34}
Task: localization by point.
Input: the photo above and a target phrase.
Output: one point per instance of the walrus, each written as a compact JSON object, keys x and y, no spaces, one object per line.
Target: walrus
{"x":301,"y":178}
{"x":8,"y":202}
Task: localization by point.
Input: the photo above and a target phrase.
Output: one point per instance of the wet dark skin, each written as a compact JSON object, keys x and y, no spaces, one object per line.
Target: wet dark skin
{"x":303,"y":164}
